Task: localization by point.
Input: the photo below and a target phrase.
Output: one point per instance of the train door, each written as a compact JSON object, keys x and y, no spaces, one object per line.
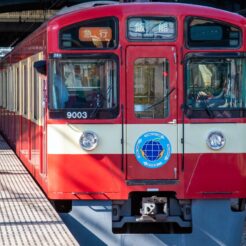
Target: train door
{"x":151,"y":114}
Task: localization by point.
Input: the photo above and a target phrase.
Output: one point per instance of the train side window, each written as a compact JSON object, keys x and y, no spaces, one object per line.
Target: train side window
{"x":35,"y":95}
{"x":25,"y":91}
{"x":13,"y":89}
{"x":151,"y":85}
{"x":1,"y":90}
{"x":207,"y":33}
{"x":10,"y":88}
{"x":92,"y":34}
{"x":5,"y":89}
{"x":17,"y":90}
{"x":214,"y":87}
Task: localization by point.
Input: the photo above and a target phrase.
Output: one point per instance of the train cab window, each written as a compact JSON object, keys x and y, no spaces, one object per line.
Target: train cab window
{"x":214,"y":87}
{"x":151,"y":28}
{"x":84,"y":88}
{"x":151,"y":85}
{"x":92,"y":34}
{"x":204,"y":33}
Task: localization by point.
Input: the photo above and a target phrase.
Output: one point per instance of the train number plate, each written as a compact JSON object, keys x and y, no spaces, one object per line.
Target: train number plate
{"x":77,"y":115}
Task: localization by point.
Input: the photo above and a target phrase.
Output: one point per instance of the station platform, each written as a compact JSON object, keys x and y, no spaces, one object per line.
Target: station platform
{"x":26,"y":216}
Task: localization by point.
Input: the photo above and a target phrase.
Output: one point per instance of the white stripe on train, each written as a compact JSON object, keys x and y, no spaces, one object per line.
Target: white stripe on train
{"x":64,"y":138}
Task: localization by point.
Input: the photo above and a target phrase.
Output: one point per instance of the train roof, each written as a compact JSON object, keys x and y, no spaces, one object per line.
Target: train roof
{"x":81,"y":6}
{"x":173,"y":9}
{"x":73,"y":14}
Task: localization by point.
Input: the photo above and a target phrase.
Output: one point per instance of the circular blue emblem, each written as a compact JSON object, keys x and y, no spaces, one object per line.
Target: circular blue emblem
{"x":153,"y":149}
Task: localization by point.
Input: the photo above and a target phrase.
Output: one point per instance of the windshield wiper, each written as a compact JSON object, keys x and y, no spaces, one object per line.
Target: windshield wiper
{"x":207,"y":108}
{"x":209,"y":111}
{"x":162,"y":100}
{"x":99,"y":99}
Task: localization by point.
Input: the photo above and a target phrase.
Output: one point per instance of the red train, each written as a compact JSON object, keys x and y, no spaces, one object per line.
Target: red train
{"x":141,"y":104}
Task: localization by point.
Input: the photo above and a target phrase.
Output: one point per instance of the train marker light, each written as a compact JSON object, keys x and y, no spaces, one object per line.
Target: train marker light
{"x":88,"y":140}
{"x":216,"y":140}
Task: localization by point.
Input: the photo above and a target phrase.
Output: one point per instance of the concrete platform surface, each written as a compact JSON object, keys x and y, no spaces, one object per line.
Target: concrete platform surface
{"x":26,"y":216}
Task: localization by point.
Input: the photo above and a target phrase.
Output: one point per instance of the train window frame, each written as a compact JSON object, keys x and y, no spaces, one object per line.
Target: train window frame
{"x":151,"y":39}
{"x":188,"y":19}
{"x":208,"y":112}
{"x":63,"y":113}
{"x":115,"y":31}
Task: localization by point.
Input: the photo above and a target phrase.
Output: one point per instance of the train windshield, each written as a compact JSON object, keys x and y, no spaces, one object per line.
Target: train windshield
{"x":89,"y":85}
{"x":216,"y":84}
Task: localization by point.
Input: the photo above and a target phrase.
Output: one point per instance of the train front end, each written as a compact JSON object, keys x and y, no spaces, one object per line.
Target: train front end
{"x":128,"y":122}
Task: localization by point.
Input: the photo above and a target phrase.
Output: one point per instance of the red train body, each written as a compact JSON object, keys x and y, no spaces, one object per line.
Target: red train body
{"x":148,"y":118}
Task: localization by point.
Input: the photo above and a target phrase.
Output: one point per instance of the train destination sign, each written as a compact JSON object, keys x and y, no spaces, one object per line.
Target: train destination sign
{"x":144,"y":28}
{"x":87,"y":34}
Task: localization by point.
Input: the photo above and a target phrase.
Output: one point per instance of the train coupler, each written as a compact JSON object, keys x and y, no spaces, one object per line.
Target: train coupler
{"x":154,"y":209}
{"x":142,"y":213}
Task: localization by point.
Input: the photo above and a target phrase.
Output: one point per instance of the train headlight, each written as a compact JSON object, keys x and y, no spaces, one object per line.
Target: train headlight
{"x":216,"y":140}
{"x":88,"y":140}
